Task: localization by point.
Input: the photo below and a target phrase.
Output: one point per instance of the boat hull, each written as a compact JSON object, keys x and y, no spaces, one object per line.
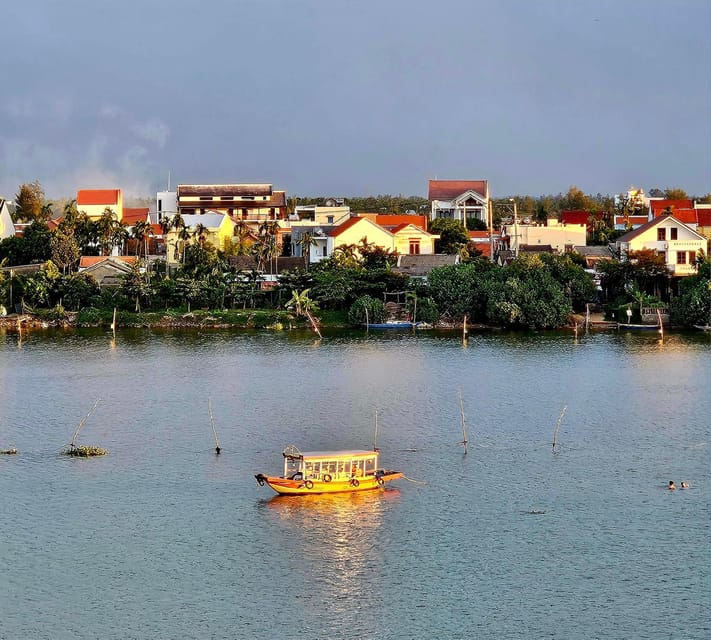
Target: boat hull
{"x":289,"y":487}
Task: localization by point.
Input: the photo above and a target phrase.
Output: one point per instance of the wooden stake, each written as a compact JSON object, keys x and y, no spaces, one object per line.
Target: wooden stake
{"x":464,"y":441}
{"x":113,"y":323}
{"x":375,"y":433}
{"x":212,"y":424}
{"x":313,"y":323}
{"x":661,"y":324}
{"x":557,"y":426}
{"x":464,"y":330}
{"x":81,"y":424}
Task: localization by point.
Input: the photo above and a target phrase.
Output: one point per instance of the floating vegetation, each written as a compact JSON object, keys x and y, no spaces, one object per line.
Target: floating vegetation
{"x":8,"y":452}
{"x":85,"y":451}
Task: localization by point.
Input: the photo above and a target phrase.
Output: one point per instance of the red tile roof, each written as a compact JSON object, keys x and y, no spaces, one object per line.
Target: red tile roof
{"x":658,"y":206}
{"x":478,"y":234}
{"x":450,"y":189}
{"x":574,"y":217}
{"x":97,"y":196}
{"x":703,"y":217}
{"x":131,"y":216}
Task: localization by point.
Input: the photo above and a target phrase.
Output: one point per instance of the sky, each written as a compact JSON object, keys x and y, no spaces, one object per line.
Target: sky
{"x":356,"y":97}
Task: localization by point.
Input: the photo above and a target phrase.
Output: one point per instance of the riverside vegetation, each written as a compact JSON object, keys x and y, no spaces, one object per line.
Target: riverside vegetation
{"x":533,"y":291}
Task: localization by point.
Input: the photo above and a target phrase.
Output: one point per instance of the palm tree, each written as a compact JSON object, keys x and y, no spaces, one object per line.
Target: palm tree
{"x":200,"y":233}
{"x":301,"y":303}
{"x":141,"y":230}
{"x":307,"y":241}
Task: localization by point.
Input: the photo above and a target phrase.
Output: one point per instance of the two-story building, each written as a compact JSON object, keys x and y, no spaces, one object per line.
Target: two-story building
{"x":248,"y":202}
{"x":94,"y":202}
{"x":667,"y":236}
{"x":459,"y":199}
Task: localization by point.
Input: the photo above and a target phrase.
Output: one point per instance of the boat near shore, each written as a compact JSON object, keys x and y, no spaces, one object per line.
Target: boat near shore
{"x":317,"y":472}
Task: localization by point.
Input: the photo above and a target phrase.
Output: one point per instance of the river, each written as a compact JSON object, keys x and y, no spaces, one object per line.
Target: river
{"x":164,"y":539}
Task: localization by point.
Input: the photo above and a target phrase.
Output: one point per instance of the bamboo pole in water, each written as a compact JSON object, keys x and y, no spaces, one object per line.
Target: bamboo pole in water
{"x":464,"y":330}
{"x":212,"y":424}
{"x":83,"y":421}
{"x":375,"y":433}
{"x":313,"y":323}
{"x":557,"y":426}
{"x":464,"y":441}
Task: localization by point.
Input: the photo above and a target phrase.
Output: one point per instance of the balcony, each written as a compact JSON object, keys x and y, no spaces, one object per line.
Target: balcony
{"x":682,"y":269}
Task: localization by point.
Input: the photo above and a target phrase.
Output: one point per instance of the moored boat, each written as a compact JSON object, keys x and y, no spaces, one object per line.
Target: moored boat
{"x":317,"y":472}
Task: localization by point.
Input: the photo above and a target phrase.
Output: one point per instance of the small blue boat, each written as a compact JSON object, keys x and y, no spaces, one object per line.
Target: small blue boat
{"x":395,"y":324}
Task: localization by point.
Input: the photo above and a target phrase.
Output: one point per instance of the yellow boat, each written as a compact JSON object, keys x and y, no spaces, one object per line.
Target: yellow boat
{"x":328,"y":472}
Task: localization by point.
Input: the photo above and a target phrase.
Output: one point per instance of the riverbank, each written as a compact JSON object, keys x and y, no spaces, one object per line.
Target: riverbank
{"x":224,"y":319}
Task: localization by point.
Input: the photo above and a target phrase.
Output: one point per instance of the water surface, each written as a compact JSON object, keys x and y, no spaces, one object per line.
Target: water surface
{"x":163,"y":539}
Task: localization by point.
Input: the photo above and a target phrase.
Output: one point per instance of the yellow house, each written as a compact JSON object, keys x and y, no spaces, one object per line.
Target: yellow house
{"x":668,"y":236}
{"x":352,"y":231}
{"x":94,"y":202}
{"x":411,"y":239}
{"x":215,"y":228}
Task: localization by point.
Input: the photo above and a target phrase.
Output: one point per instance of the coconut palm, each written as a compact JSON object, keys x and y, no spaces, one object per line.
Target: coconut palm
{"x":200,"y":232}
{"x":141,"y":231}
{"x":307,"y":241}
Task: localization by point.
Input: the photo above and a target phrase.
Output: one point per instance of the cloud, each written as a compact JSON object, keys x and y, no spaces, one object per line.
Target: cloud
{"x":68,"y":148}
{"x":152,"y":131}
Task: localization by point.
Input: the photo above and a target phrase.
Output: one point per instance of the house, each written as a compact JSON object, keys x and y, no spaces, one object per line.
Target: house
{"x":459,"y":199}
{"x":7,"y":228}
{"x":411,"y":239}
{"x":419,"y":266}
{"x":682,"y":210}
{"x":249,"y":202}
{"x":322,"y":214}
{"x":595,"y":254}
{"x":107,"y":270}
{"x":670,"y":237}
{"x":94,"y":202}
{"x":211,"y":226}
{"x":559,"y":236}
{"x":703,"y":220}
{"x":131,"y":216}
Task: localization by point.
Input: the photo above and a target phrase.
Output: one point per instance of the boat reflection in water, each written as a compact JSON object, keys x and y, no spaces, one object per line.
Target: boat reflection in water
{"x":336,"y":554}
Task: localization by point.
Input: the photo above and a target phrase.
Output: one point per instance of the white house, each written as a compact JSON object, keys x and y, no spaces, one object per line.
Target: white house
{"x":459,"y":199}
{"x":7,"y":228}
{"x":670,"y":237}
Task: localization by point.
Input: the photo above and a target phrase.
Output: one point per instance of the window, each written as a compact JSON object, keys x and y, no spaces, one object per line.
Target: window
{"x":205,"y":198}
{"x":681,"y":257}
{"x":329,"y":219}
{"x":692,"y":257}
{"x":228,"y":197}
{"x":325,"y":251}
{"x":661,"y":233}
{"x":673,"y":233}
{"x":415,"y":246}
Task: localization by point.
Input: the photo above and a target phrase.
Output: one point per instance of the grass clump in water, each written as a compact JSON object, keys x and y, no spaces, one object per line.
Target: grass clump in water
{"x":85,"y":451}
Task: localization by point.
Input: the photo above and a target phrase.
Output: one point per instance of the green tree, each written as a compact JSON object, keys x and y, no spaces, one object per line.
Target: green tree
{"x":366,"y":309}
{"x":76,"y":290}
{"x":141,"y":231}
{"x":301,"y":303}
{"x":136,"y":286}
{"x":693,"y":306}
{"x":453,"y":235}
{"x":675,"y":194}
{"x":65,"y":248}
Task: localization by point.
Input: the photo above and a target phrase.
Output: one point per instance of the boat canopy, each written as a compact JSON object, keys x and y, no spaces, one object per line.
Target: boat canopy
{"x":311,"y":456}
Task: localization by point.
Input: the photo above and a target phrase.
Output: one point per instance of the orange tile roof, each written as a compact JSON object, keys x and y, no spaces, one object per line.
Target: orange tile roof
{"x":98,"y":196}
{"x":88,"y":261}
{"x":394,"y":219}
{"x":478,"y":234}
{"x":337,"y":231}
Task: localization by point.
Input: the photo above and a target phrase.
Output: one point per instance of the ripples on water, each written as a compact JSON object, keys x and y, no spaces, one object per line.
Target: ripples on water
{"x":162,"y":539}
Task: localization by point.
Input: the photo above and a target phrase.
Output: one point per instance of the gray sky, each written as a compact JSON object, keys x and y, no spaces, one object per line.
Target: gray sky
{"x":358,"y":97}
